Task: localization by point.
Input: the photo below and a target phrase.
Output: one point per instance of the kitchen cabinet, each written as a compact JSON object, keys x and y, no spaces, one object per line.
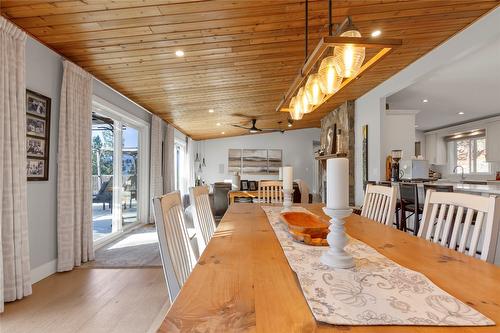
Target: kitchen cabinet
{"x":493,"y":142}
{"x":435,"y":149}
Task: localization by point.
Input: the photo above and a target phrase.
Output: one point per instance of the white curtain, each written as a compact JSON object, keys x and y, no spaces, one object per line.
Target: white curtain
{"x":168,"y":160}
{"x":156,"y":179}
{"x":15,"y":281}
{"x":74,"y":205}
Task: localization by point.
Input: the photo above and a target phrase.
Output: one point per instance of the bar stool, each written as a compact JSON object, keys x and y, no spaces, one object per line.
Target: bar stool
{"x":410,"y":203}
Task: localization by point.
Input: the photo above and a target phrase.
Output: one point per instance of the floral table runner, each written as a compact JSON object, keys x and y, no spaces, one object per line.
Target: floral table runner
{"x":377,"y":291}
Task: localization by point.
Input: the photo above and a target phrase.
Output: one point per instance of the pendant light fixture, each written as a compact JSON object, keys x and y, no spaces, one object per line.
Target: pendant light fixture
{"x":338,"y":59}
{"x":350,"y":58}
{"x":295,"y":109}
{"x":313,"y":90}
{"x":304,"y":102}
{"x":329,"y":79}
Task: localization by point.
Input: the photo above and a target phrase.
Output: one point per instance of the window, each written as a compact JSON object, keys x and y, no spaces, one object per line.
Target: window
{"x":181,"y":169}
{"x":470,"y":154}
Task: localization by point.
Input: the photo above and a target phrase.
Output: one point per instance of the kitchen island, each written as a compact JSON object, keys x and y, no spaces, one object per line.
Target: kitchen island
{"x":484,"y":190}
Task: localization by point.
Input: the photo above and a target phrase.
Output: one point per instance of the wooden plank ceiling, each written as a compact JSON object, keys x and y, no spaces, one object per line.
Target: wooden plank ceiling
{"x":240,"y":55}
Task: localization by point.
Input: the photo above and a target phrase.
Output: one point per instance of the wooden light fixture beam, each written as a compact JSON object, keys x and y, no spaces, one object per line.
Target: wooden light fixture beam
{"x":386,"y":46}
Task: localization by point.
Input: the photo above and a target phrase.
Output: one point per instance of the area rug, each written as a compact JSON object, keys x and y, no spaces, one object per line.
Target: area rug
{"x":138,"y":248}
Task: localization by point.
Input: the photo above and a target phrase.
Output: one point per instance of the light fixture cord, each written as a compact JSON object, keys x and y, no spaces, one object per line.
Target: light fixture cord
{"x":330,"y":24}
{"x":306,"y":29}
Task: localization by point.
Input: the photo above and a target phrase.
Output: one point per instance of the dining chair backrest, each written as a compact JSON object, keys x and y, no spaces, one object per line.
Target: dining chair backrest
{"x":458,"y":221}
{"x":437,"y":188}
{"x":175,"y":250}
{"x":379,"y":203}
{"x":204,"y":222}
{"x":408,"y":193}
{"x":221,"y":200}
{"x":270,"y":191}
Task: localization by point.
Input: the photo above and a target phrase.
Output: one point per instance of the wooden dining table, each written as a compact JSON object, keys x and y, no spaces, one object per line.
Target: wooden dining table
{"x":243,"y":282}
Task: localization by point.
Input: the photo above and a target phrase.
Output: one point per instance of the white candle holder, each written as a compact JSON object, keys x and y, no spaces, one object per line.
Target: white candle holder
{"x":336,"y":256}
{"x":287,"y":200}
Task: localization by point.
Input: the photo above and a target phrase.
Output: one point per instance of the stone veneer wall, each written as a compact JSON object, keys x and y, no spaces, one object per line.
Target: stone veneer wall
{"x":343,"y":116}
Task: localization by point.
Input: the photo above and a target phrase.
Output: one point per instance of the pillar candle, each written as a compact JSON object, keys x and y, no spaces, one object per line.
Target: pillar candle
{"x":337,"y":183}
{"x":287,"y":178}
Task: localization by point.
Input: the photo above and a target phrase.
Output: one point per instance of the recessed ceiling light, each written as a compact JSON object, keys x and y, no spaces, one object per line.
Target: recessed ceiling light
{"x":376,"y":33}
{"x":211,"y":110}
{"x":461,"y":113}
{"x":222,"y":132}
{"x":425,"y":101}
{"x":416,"y":126}
{"x":218,"y":124}
{"x":179,"y":53}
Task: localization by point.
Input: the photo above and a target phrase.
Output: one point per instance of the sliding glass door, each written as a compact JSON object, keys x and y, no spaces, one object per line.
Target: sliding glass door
{"x":103,"y":143}
{"x":130,"y":165}
{"x":120,"y":149}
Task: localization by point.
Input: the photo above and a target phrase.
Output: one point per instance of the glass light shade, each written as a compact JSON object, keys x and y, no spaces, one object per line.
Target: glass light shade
{"x":295,"y":109}
{"x":351,"y":57}
{"x":329,"y":80}
{"x":313,"y":90}
{"x":305,"y":105}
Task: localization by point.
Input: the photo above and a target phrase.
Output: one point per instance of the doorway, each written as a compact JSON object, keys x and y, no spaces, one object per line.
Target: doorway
{"x":120,"y":171}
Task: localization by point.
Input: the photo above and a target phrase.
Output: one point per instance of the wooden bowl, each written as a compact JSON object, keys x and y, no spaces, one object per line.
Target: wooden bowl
{"x":306,"y":227}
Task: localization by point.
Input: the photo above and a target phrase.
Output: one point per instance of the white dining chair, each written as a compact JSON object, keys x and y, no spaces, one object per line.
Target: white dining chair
{"x":175,"y":250}
{"x":203,"y":218}
{"x":462,"y":222}
{"x":270,"y":191}
{"x":380,"y":203}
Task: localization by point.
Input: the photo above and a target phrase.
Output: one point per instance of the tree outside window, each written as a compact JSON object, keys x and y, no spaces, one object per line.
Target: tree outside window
{"x":470,"y":154}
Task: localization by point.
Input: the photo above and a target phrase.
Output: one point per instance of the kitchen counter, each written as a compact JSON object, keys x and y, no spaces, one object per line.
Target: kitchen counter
{"x":470,"y":188}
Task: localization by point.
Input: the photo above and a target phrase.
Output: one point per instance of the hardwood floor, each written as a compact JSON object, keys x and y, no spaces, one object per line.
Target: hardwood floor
{"x":91,"y":300}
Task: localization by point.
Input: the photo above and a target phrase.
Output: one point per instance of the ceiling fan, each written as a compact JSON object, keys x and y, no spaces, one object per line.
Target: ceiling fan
{"x":254,"y":129}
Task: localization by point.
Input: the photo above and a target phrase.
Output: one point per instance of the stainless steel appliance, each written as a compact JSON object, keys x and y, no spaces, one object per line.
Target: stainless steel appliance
{"x":414,"y":169}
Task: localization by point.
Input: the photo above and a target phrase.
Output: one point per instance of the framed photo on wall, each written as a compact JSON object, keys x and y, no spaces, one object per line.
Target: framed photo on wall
{"x":252,"y":185}
{"x":37,"y":136}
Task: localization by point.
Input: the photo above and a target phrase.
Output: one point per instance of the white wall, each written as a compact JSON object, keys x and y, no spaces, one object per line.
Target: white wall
{"x":398,"y":133}
{"x":44,"y":75}
{"x":297,"y":146}
{"x":370,"y":107}
{"x":112,"y":96}
{"x":367,"y":112}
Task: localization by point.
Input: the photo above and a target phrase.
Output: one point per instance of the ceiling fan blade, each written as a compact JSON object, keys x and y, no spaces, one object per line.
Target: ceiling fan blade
{"x":241,"y":115}
{"x":247,"y":128}
{"x":271,"y":129}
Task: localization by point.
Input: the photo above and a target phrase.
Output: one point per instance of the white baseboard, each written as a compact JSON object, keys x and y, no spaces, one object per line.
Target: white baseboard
{"x":42,"y":271}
